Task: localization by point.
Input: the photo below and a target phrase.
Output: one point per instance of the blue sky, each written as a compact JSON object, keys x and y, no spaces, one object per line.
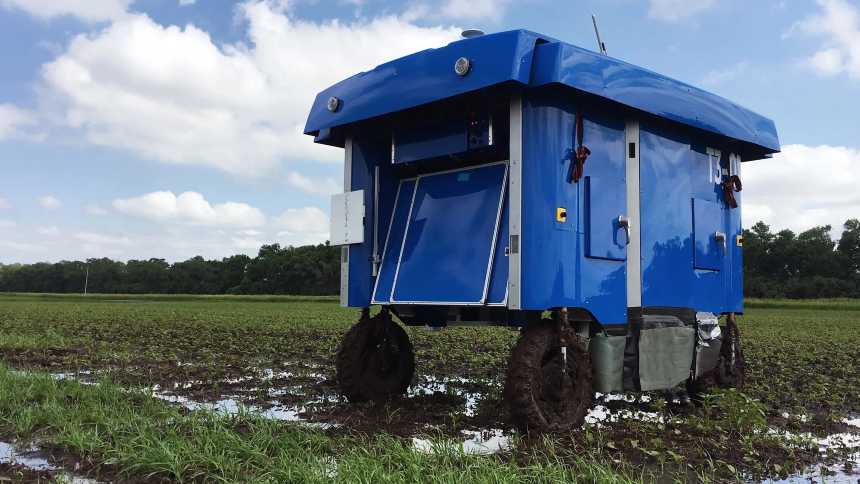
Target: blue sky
{"x":172,"y":128}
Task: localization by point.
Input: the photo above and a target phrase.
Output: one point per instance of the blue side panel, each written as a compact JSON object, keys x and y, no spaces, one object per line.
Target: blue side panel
{"x":365,"y":155}
{"x":393,"y":239}
{"x":671,"y":174}
{"x":425,"y":77}
{"x":498,"y":291}
{"x":555,"y":270}
{"x":707,"y":221}
{"x":450,"y":236}
{"x":605,"y":190}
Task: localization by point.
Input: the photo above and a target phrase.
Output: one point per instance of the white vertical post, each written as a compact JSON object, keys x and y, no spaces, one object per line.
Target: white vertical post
{"x":634,"y":261}
{"x":344,"y":255}
{"x":515,"y":201}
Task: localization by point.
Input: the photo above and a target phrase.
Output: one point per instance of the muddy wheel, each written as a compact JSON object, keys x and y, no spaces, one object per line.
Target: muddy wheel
{"x":541,"y":397}
{"x":730,"y":369}
{"x":375,"y":360}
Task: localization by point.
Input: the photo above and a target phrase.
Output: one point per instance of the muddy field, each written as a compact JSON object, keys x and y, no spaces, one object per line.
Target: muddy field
{"x":201,"y":376}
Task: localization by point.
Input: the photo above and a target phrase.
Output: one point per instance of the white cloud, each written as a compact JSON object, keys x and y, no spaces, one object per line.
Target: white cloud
{"x":174,"y":95}
{"x":93,"y":209}
{"x":102,"y":239}
{"x":324,"y":186}
{"x":7,"y":224}
{"x":839,"y":24}
{"x":88,"y":10}
{"x":802,"y":187}
{"x":306,"y":225}
{"x":185,"y":3}
{"x":246,"y":243}
{"x":49,"y":202}
{"x":12,"y":118}
{"x":676,"y":10}
{"x":190,"y":208}
{"x":722,"y":76}
{"x":51,"y":231}
{"x":21,"y":247}
{"x":475,"y":9}
{"x":4,"y":204}
{"x":466,"y":10}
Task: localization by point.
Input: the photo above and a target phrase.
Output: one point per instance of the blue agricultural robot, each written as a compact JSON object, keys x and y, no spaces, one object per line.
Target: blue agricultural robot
{"x":514,"y":179}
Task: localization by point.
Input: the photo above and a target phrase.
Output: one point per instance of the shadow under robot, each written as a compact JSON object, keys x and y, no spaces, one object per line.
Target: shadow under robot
{"x":514,"y":179}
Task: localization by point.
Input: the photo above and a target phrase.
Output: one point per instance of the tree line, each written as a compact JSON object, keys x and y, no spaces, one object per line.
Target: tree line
{"x":306,"y":270}
{"x":782,"y":264}
{"x":805,"y":265}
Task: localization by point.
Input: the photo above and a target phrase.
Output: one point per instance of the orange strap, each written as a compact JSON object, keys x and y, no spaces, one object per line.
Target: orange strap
{"x":577,"y":167}
{"x":731,"y":185}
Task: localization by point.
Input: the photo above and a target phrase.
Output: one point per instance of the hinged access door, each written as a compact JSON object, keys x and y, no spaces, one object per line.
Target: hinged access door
{"x":709,"y":235}
{"x":607,"y":222}
{"x":442,"y":243}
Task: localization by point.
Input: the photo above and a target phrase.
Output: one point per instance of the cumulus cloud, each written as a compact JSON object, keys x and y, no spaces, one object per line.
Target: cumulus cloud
{"x":802,"y":187}
{"x":306,"y":225}
{"x":175,"y":95}
{"x":718,"y":77}
{"x":190,"y":208}
{"x":102,"y":239}
{"x":838,"y":23}
{"x":676,"y":10}
{"x":13,"y":119}
{"x":50,"y":231}
{"x":7,"y":224}
{"x":87,"y":10}
{"x":313,"y":186}
{"x":50,"y":202}
{"x":94,"y":209}
{"x":20,"y":247}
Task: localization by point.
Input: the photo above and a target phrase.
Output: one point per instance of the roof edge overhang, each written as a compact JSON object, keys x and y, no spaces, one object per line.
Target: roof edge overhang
{"x":426,"y":77}
{"x":520,"y":57}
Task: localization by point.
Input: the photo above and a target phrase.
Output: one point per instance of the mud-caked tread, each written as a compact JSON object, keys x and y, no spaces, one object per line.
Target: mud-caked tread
{"x":537,"y":343}
{"x":722,"y":376}
{"x":358,"y":377}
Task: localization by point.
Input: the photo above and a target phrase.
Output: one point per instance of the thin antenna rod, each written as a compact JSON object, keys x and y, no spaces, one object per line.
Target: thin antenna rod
{"x":600,"y":44}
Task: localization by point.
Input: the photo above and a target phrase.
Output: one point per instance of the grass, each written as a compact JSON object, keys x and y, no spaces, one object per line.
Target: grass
{"x":128,"y":434}
{"x":801,"y":361}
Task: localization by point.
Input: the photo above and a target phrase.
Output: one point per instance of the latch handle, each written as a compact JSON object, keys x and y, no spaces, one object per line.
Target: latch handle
{"x":624,"y":223}
{"x":721,"y":237}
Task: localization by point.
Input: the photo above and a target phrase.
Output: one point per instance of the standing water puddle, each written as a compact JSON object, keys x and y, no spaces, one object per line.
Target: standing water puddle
{"x":232,"y":404}
{"x":32,"y":458}
{"x":484,"y":441}
{"x":847,"y":472}
{"x":475,"y":442}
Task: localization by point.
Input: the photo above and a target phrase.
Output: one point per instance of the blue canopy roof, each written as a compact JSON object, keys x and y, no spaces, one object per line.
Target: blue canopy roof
{"x":529,"y":59}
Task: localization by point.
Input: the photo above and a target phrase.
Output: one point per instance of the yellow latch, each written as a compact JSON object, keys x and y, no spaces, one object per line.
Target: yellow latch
{"x":561,"y":214}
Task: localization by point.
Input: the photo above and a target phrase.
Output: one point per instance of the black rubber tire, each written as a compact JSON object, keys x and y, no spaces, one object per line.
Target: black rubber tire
{"x":375,"y":360}
{"x":538,"y":400}
{"x":731,"y":369}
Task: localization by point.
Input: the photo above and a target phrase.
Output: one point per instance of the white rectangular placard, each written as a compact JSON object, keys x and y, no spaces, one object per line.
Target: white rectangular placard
{"x":347,"y":218}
